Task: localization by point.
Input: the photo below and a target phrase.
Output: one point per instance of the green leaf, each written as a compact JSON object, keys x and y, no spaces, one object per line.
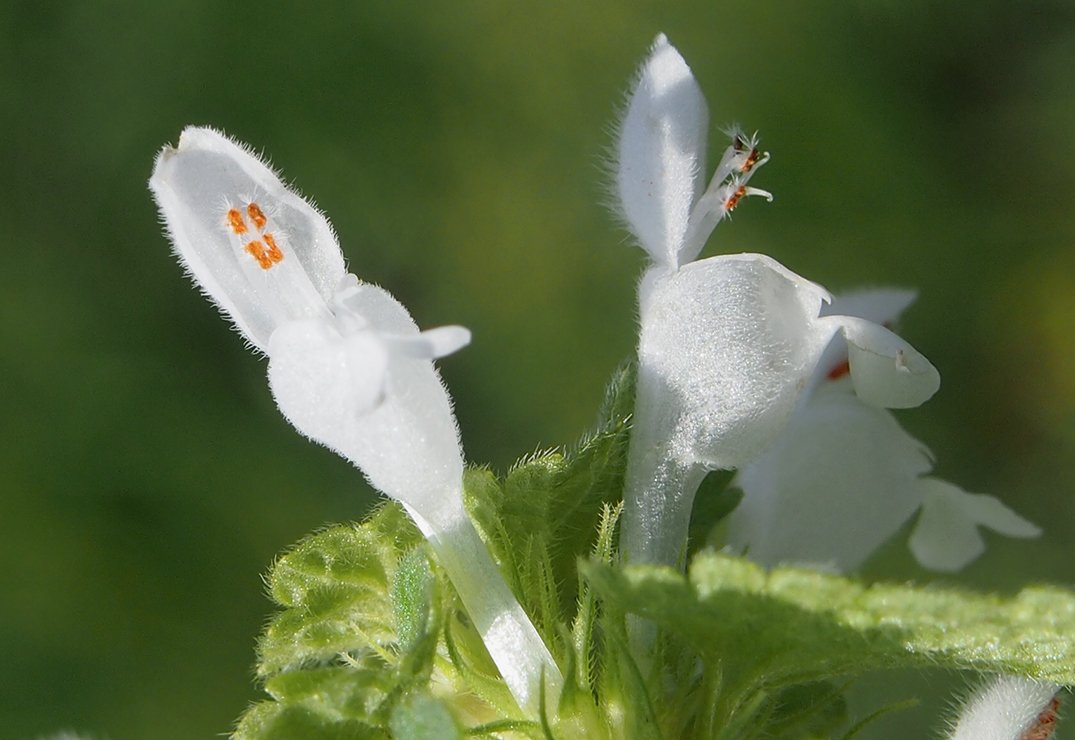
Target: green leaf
{"x":333,"y":692}
{"x":803,"y":626}
{"x":422,"y":717}
{"x":364,"y":614}
{"x":412,"y":595}
{"x":333,"y":585}
{"x":548,"y":509}
{"x":273,"y":721}
{"x":811,"y":709}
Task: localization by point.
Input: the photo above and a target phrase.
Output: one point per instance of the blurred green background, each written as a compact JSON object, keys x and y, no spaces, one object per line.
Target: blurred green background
{"x":147,"y":480}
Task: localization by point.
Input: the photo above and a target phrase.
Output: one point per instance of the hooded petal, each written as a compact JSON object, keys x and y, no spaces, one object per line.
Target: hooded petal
{"x":879,"y":305}
{"x":260,"y":251}
{"x":660,"y":153}
{"x":838,"y":482}
{"x":886,"y":370}
{"x":946,"y":537}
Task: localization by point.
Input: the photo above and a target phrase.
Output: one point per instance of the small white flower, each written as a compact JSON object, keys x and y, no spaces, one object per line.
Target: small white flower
{"x":843,"y":477}
{"x":727,"y":344}
{"x":348,"y":367}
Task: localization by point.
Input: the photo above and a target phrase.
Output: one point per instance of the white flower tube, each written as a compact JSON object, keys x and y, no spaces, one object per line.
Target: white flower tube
{"x":1009,"y":708}
{"x":727,"y":344}
{"x":348,"y":367}
{"x":842,"y":477}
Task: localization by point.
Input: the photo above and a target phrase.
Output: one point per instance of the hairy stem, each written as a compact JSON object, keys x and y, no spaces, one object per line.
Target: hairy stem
{"x":510,"y":637}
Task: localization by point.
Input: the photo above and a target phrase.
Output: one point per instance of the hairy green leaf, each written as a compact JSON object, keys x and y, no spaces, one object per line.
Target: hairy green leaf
{"x":803,"y":626}
{"x":548,"y":509}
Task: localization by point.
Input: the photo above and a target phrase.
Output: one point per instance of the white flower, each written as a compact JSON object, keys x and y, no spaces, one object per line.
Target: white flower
{"x":843,"y":477}
{"x":727,"y":344}
{"x":1009,"y":708}
{"x":348,"y":367}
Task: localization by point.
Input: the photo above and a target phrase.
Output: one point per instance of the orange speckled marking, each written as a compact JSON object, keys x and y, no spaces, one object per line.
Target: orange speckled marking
{"x":263,"y":247}
{"x":257,"y":216}
{"x":235,"y":220}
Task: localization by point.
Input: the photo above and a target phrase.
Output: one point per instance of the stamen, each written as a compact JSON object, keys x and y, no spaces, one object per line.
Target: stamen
{"x":750,"y":161}
{"x":743,"y":146}
{"x":274,"y":251}
{"x":747,"y":149}
{"x":738,"y":192}
{"x":235,"y":220}
{"x":733,"y":200}
{"x":257,"y":215}
{"x":257,"y":250}
{"x":265,"y":250}
{"x":754,"y":159}
{"x":728,"y":186}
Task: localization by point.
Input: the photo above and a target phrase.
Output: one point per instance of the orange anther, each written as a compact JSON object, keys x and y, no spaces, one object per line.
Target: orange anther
{"x":734,"y":198}
{"x":257,"y":215}
{"x":265,"y":259}
{"x":235,"y":220}
{"x":752,"y":159}
{"x":275,"y":254}
{"x":839,"y":371}
{"x":257,"y":250}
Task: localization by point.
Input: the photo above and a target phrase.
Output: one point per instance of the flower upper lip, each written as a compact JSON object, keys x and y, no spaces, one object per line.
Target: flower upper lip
{"x":661,"y":156}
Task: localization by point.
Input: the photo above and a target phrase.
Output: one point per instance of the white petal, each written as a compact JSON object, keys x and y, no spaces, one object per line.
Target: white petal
{"x":886,"y":370}
{"x":408,"y":443}
{"x":327,"y":379}
{"x":990,"y":511}
{"x":727,"y":344}
{"x":946,"y":537}
{"x":661,"y":153}
{"x":838,"y":482}
{"x":879,"y":305}
{"x":432,"y":343}
{"x":1007,"y":708}
{"x":262,"y":267}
